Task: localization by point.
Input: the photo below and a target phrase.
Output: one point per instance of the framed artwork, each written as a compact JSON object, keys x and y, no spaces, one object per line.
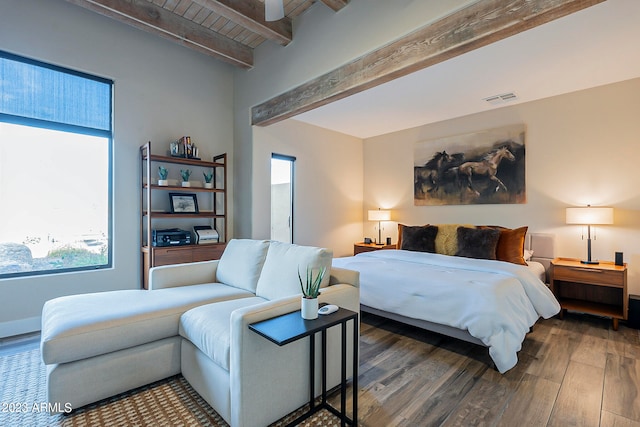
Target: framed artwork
{"x":183,"y":203}
{"x":486,"y":167}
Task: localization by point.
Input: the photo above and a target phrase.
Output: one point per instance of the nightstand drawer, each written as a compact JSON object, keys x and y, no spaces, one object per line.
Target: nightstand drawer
{"x":594,"y":276}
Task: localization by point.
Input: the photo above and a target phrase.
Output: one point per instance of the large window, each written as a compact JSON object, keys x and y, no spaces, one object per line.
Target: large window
{"x":55,"y":169}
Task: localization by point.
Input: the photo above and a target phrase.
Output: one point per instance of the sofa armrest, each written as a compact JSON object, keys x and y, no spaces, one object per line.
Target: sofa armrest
{"x":269,"y":381}
{"x":342,"y":275}
{"x":171,"y":276}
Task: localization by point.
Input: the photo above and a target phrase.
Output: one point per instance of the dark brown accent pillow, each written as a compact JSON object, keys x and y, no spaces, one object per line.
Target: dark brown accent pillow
{"x":511,"y":245}
{"x":419,"y":238}
{"x":477,"y":242}
{"x":400,"y":228}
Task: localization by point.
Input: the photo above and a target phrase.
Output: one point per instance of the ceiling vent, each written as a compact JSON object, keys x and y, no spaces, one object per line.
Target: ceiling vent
{"x":501,"y":99}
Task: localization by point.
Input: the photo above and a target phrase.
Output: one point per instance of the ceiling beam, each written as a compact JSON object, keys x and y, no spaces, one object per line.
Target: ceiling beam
{"x":477,"y":25}
{"x":250,"y":14}
{"x":156,"y":20}
{"x":336,"y":5}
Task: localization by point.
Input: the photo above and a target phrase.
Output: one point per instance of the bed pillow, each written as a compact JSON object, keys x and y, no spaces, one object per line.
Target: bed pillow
{"x":527,"y":255}
{"x":419,"y":238}
{"x":477,"y":242}
{"x":400,"y":228}
{"x":447,"y":238}
{"x":511,"y":245}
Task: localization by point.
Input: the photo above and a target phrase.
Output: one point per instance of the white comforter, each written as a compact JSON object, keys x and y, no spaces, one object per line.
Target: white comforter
{"x":495,"y":301}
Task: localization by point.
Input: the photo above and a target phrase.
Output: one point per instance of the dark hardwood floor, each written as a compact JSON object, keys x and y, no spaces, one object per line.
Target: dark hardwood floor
{"x":572,"y":372}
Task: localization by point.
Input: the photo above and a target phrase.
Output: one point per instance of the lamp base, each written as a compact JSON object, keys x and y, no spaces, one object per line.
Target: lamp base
{"x":589,"y":262}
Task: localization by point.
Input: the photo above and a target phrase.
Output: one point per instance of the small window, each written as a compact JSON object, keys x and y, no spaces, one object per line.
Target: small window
{"x":55,"y":169}
{"x":282,"y":198}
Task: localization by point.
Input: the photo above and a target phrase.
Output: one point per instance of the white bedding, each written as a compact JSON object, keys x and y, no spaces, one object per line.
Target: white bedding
{"x":496,"y":302}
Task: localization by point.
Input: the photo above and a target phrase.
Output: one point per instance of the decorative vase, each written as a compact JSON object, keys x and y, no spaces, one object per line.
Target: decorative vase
{"x":163,"y":182}
{"x":309,"y":308}
{"x":208,"y":185}
{"x":186,"y":184}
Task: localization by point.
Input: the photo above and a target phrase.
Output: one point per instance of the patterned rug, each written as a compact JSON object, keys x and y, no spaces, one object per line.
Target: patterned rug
{"x":170,"y":402}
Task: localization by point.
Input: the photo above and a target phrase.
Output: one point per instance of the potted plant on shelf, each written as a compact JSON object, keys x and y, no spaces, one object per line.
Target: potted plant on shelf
{"x":208,"y":176}
{"x":186,"y":173}
{"x":163,"y":173}
{"x":310,"y":291}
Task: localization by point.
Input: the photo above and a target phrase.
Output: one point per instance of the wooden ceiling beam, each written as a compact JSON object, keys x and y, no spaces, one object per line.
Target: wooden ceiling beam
{"x":156,"y":20}
{"x":336,"y":5}
{"x":475,"y":26}
{"x":250,"y":14}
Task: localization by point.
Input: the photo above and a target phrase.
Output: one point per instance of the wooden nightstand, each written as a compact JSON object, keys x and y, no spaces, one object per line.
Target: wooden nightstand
{"x":368,"y":247}
{"x":599,"y":289}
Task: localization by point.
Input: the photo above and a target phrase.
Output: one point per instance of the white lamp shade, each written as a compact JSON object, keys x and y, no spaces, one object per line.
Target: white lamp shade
{"x":379,"y":215}
{"x":273,"y":10}
{"x":589,"y":216}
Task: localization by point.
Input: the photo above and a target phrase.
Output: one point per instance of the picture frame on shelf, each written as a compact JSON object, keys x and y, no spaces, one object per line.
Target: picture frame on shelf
{"x":184,"y":203}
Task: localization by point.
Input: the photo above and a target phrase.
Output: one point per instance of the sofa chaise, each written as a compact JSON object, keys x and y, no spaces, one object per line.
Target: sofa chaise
{"x":194,"y":320}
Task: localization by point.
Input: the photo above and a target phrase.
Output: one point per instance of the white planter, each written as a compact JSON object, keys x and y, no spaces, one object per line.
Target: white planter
{"x":208,"y":185}
{"x":309,"y":308}
{"x":163,"y":182}
{"x":186,"y":184}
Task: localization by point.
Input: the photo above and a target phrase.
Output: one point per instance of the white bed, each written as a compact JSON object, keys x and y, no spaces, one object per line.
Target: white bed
{"x":491,"y":303}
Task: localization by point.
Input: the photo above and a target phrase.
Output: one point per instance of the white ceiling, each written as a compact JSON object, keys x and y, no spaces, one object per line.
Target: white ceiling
{"x":596,"y":46}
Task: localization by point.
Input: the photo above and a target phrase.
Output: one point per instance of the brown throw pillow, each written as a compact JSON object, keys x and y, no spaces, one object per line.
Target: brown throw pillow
{"x":511,"y":245}
{"x":419,"y":238}
{"x":400,"y":228}
{"x":477,"y":242}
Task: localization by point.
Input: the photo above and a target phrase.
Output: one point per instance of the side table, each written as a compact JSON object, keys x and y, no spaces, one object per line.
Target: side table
{"x":599,"y":289}
{"x":368,"y":247}
{"x":291,"y":327}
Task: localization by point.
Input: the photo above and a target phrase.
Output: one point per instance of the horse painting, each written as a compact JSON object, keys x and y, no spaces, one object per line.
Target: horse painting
{"x":485,"y":167}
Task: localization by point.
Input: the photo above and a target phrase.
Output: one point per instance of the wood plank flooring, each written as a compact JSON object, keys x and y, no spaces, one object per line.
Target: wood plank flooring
{"x":572,"y":372}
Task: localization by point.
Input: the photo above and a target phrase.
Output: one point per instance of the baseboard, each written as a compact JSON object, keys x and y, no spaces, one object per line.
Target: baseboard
{"x":19,"y":327}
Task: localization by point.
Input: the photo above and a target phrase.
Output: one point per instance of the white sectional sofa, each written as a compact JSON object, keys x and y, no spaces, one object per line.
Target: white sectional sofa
{"x":194,"y":320}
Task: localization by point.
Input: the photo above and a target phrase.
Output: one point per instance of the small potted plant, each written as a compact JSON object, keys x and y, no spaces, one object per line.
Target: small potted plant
{"x":163,"y":173}
{"x":310,"y":290}
{"x":208,"y":176}
{"x":186,"y":173}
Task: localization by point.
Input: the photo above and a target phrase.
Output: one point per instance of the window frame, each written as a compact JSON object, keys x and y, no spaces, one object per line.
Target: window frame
{"x":70,"y":128}
{"x":292,"y":160}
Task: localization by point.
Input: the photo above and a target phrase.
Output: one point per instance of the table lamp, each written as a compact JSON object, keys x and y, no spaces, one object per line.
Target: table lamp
{"x":589,"y":216}
{"x":379,"y":215}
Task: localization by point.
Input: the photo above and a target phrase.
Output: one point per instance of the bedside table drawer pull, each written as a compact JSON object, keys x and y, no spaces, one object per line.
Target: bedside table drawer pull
{"x":590,"y":270}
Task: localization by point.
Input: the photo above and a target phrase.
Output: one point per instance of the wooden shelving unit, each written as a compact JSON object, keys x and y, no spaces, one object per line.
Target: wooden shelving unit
{"x":214,"y":202}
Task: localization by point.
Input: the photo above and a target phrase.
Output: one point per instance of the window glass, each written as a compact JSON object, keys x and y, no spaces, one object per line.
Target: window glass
{"x":55,"y":170}
{"x":282,"y":198}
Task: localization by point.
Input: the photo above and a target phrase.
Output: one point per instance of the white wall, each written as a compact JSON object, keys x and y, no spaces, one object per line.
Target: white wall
{"x":327,"y":184}
{"x":162,"y":91}
{"x":581,"y":148}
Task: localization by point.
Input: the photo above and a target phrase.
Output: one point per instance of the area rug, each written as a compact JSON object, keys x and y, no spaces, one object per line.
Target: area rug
{"x":170,"y":402}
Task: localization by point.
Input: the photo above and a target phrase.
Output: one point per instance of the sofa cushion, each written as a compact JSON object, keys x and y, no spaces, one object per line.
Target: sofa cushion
{"x":279,"y":277}
{"x":76,"y":327}
{"x":208,"y":327}
{"x":241,"y":263}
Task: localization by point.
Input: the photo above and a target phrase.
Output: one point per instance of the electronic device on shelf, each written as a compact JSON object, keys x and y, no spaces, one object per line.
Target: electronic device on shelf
{"x":171,"y":237}
{"x":205,"y":234}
